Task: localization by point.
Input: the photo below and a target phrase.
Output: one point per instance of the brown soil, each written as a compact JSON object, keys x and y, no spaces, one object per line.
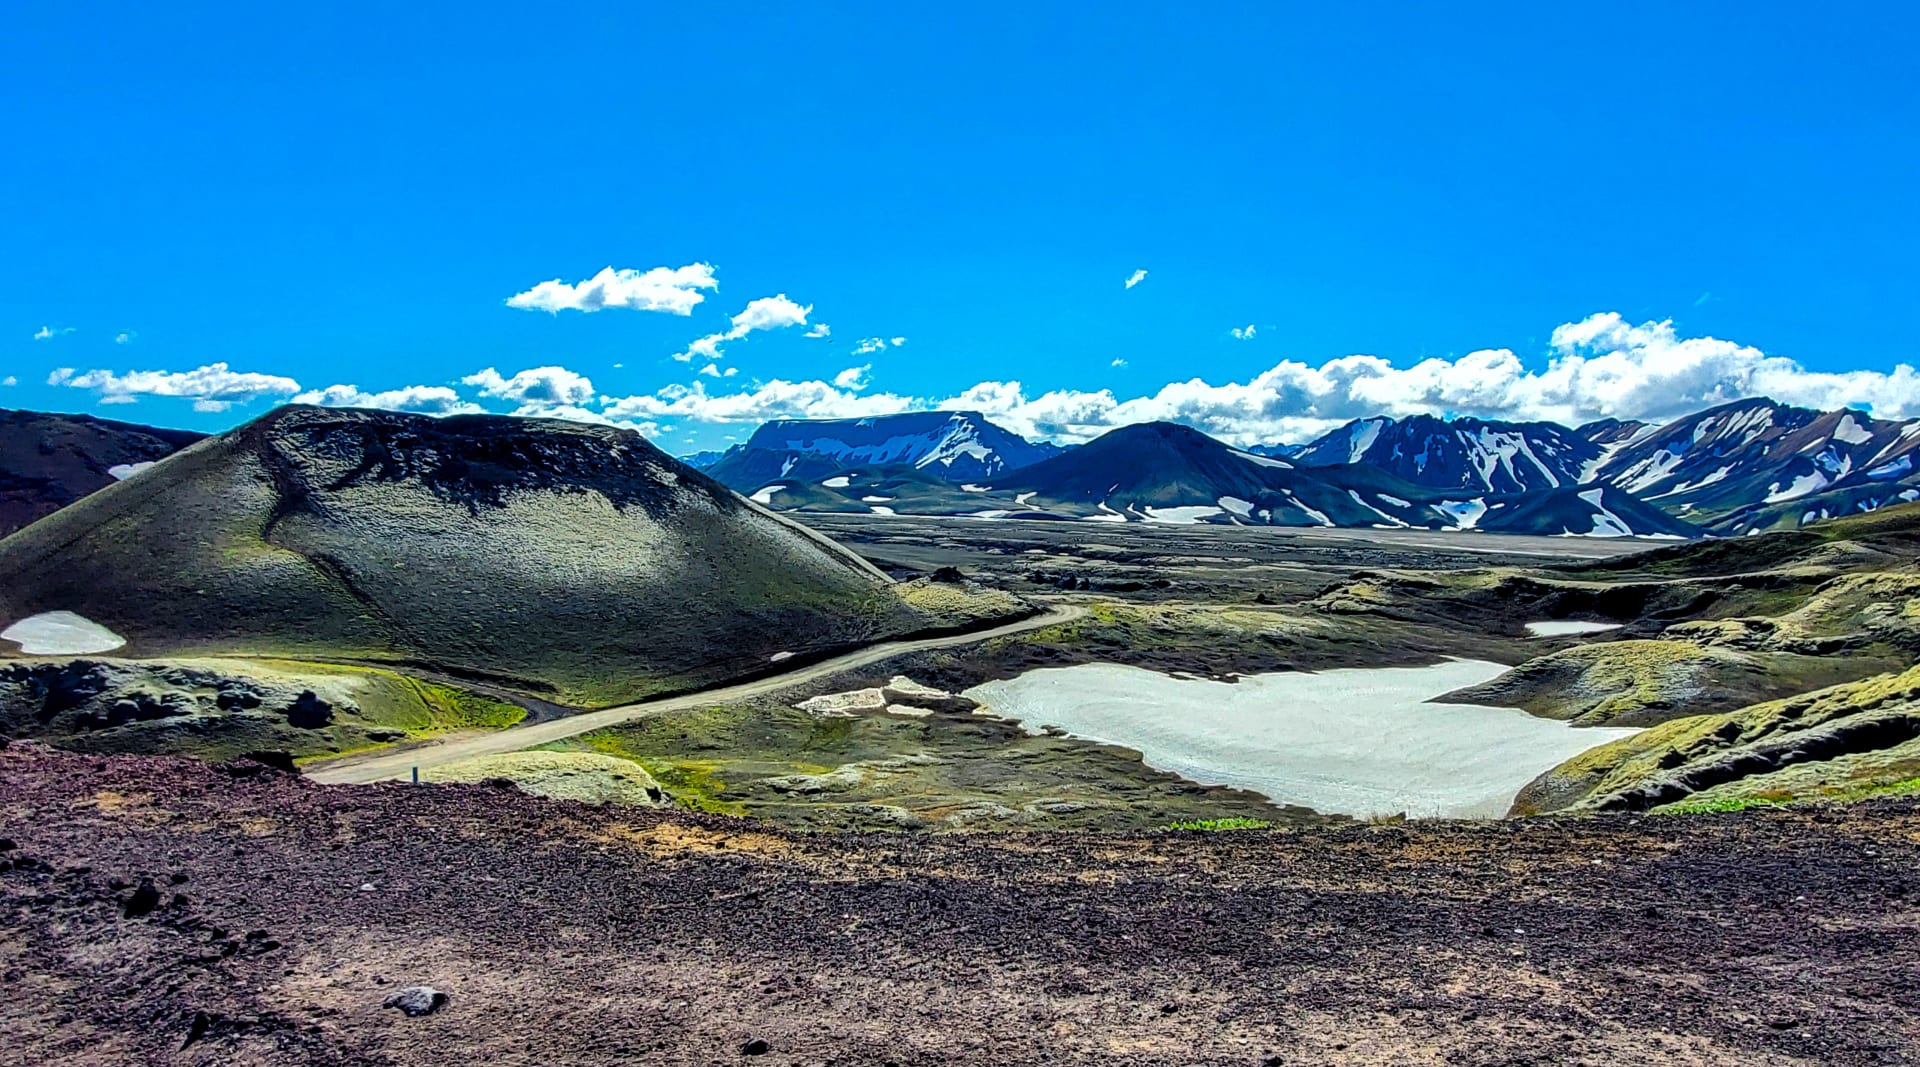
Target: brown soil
{"x":567,"y":934}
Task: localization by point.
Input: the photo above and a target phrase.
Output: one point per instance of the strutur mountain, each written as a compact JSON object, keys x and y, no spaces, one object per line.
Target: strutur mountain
{"x":572,"y":561}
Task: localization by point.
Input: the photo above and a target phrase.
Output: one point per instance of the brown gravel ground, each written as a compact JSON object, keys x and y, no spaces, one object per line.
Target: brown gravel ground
{"x":568,"y":934}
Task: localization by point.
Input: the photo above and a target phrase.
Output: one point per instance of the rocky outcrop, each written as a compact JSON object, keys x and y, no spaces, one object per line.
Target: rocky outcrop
{"x":226,"y":708}
{"x":900,"y":696}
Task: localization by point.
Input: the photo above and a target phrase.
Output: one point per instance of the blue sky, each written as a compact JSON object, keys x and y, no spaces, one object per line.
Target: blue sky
{"x":351,"y":197}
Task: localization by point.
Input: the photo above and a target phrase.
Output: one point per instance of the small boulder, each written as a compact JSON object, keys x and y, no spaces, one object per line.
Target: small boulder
{"x":309,"y":712}
{"x":904,"y":690}
{"x":145,"y":898}
{"x":755,"y":1047}
{"x":844,"y":705}
{"x":416,"y":1000}
{"x":249,"y":764}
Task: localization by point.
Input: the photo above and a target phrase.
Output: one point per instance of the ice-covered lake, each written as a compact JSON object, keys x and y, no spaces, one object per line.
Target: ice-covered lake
{"x":1364,"y":741}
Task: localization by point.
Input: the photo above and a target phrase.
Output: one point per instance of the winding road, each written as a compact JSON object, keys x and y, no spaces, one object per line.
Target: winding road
{"x":389,"y":764}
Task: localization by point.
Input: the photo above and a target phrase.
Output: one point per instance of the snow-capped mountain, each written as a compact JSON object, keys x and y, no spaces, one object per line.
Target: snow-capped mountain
{"x":1466,"y":454}
{"x":1755,"y":464}
{"x":1166,"y":472}
{"x":960,"y":446}
{"x":1585,"y":510}
{"x":1163,"y":472}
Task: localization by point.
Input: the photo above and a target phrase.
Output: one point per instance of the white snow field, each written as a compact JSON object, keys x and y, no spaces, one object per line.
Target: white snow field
{"x":61,"y":633}
{"x":1359,"y":742}
{"x":1563,"y":627}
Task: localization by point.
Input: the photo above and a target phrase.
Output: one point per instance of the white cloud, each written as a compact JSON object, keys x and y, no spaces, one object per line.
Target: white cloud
{"x":1117,"y":362}
{"x":1243,"y":333}
{"x":712,"y":370}
{"x":9,"y":381}
{"x":898,"y":341}
{"x":820,"y":329}
{"x":766,"y":313}
{"x":769,"y":400}
{"x":1136,"y":278}
{"x":426,"y":399}
{"x":539,"y":385}
{"x":125,"y":337}
{"x":214,"y":387}
{"x":48,"y":333}
{"x":674,"y":290}
{"x":1600,"y":367}
{"x":870,"y":345}
{"x":854,"y":378}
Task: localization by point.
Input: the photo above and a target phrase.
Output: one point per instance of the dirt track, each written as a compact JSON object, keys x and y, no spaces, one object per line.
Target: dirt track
{"x":574,"y":935}
{"x":395,"y":764}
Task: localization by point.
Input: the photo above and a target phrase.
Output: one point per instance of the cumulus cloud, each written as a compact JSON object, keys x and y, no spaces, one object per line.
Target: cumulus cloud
{"x":769,"y":400}
{"x":426,"y":399}
{"x":820,"y":329}
{"x":854,"y":378}
{"x":712,"y":370}
{"x":125,"y":337}
{"x":1117,"y":362}
{"x":539,"y":385}
{"x":1136,"y":278}
{"x":1599,"y":367}
{"x":674,"y":290}
{"x":214,"y":387}
{"x":48,"y":333}
{"x":766,"y":313}
{"x":9,"y":381}
{"x":1243,"y":333}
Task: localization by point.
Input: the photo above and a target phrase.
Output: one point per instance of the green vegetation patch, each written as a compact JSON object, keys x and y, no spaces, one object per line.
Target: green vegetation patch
{"x":1221,"y":824}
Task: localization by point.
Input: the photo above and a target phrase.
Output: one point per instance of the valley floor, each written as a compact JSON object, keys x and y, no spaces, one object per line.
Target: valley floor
{"x":286,"y":912}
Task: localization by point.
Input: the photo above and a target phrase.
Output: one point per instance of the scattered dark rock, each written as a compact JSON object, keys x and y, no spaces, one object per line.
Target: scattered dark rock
{"x":145,"y":898}
{"x":309,"y":712}
{"x":755,"y":1047}
{"x":947,"y":576}
{"x":236,"y":700}
{"x":416,"y":1000}
{"x":252,"y":763}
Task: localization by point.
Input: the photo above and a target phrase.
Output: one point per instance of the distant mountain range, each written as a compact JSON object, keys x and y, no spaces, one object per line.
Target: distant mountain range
{"x":1738,"y":468}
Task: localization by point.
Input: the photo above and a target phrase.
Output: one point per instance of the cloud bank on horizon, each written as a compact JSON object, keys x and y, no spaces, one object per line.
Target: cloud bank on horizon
{"x":1599,"y":367}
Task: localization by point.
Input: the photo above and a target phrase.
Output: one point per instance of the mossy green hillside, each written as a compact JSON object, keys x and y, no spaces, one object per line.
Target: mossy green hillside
{"x":1812,"y":744}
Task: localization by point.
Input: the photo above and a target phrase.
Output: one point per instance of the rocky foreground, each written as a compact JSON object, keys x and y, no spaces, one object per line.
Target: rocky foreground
{"x":167,"y":911}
